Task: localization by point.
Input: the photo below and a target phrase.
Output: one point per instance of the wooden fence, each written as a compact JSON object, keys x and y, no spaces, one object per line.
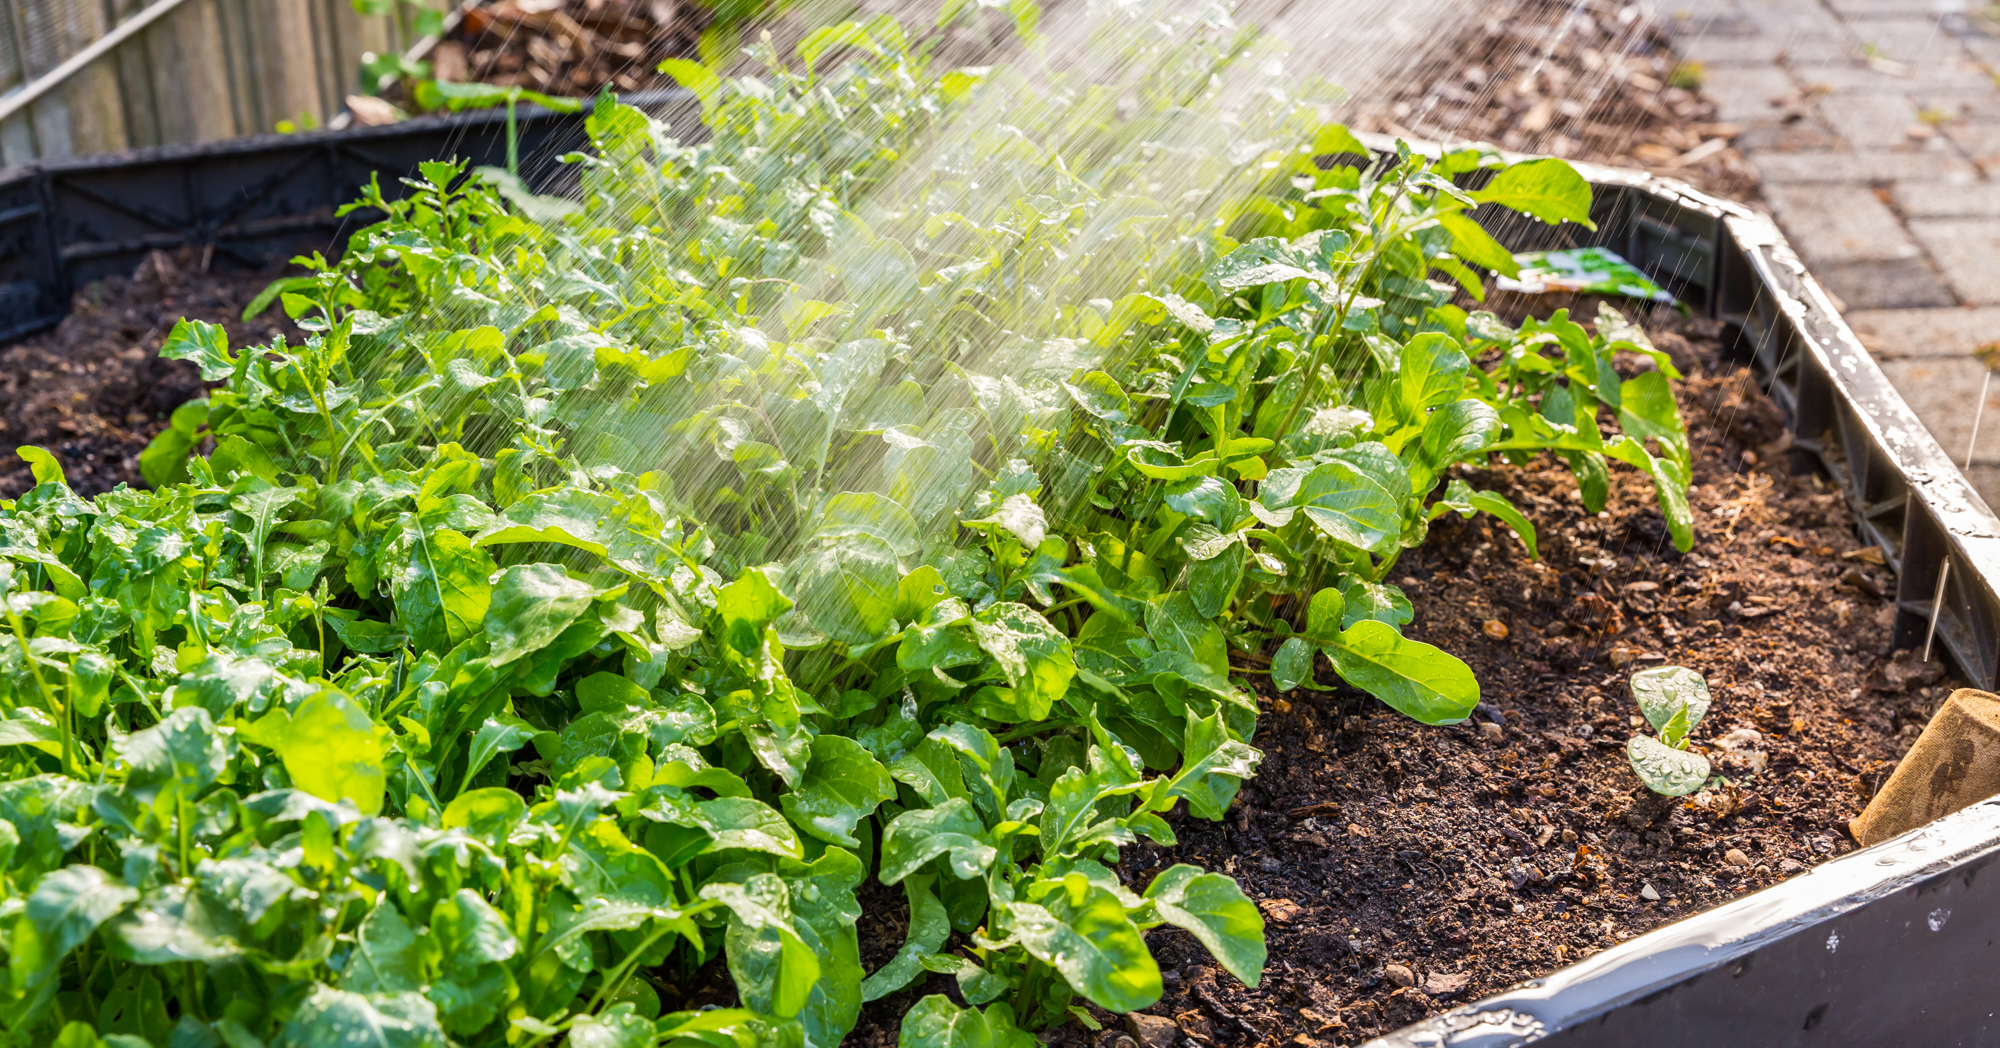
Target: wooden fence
{"x":206,"y":69}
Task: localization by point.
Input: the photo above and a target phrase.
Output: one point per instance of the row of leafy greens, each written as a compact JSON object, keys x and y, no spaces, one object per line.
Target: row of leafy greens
{"x":875,"y":486}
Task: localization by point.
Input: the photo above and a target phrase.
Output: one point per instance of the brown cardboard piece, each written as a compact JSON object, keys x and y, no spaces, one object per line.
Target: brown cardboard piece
{"x":1954,"y":764}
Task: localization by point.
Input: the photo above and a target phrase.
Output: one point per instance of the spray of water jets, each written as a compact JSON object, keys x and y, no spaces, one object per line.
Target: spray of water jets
{"x":915,"y":259}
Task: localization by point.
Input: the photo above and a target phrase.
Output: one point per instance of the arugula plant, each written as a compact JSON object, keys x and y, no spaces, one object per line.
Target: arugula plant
{"x":1673,"y":699}
{"x":602,"y":590}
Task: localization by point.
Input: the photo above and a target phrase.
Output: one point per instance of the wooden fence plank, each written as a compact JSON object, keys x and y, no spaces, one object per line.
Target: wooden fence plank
{"x":210,"y":69}
{"x":190,"y":79}
{"x":132,"y":65}
{"x":86,"y":114}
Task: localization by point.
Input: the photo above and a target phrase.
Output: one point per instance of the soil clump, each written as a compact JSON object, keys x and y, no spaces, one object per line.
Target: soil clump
{"x":93,"y":390}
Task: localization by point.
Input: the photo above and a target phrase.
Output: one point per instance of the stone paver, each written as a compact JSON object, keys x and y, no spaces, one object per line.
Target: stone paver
{"x":1747,"y":95}
{"x":1875,"y":125}
{"x":1939,"y":200}
{"x":1968,"y":251}
{"x":1840,"y":223}
{"x":1895,"y":334}
{"x":1878,"y":119}
{"x":1944,"y":392}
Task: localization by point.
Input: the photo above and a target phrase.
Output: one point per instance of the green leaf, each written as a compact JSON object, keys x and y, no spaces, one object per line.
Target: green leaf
{"x":1458,"y":432}
{"x":952,"y":828}
{"x":1083,"y":932}
{"x":44,"y":466}
{"x":1036,"y":658}
{"x":847,"y":588}
{"x":1472,"y":243}
{"x":1459,"y":497}
{"x":1187,"y":644}
{"x":471,"y":932}
{"x":1431,"y":373}
{"x":1362,"y":600}
{"x":775,"y":970}
{"x":490,"y":812}
{"x":626,"y":532}
{"x":1419,"y":680}
{"x":1548,"y":189}
{"x":176,"y":923}
{"x":618,"y":1026}
{"x":1213,"y":767}
{"x":1214,"y":910}
{"x":185,"y":748}
{"x":1100,"y":395}
{"x":843,"y":785}
{"x":746,"y":606}
{"x":752,"y":825}
{"x":331,"y":1018}
{"x":63,"y":910}
{"x":1017,"y":515}
{"x":1337,"y":140}
{"x":1324,"y":613}
{"x":1292,"y":664}
{"x":385,"y":957}
{"x":330,"y":747}
{"x":1666,"y":692}
{"x":1664,"y":769}
{"x":1358,"y":498}
{"x":930,"y":926}
{"x":439,"y":581}
{"x":1676,"y":729}
{"x":866,"y":513}
{"x":1646,"y":408}
{"x":207,"y":345}
{"x":1670,"y":487}
{"x":502,"y":733}
{"x":935,"y":1022}
{"x":262,"y":508}
{"x":697,"y":78}
{"x":530,"y":606}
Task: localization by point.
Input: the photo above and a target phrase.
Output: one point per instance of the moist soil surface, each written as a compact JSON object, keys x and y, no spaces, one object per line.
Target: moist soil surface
{"x":94,"y":390}
{"x":1403,"y":869}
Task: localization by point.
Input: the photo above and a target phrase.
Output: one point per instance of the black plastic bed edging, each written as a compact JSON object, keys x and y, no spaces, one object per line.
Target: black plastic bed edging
{"x":247,"y":203}
{"x":1891,"y":945}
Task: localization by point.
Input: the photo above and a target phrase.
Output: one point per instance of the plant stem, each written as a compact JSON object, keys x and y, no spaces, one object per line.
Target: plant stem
{"x":48,"y":697}
{"x":513,"y":140}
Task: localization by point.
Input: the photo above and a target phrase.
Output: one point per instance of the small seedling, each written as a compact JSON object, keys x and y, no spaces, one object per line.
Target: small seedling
{"x":1673,"y":699}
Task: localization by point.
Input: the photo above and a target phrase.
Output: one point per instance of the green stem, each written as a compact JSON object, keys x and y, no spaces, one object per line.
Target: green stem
{"x":610,"y":987}
{"x":48,"y":697}
{"x":513,"y":140}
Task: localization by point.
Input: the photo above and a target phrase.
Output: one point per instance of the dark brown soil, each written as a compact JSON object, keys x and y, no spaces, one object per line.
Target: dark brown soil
{"x":1591,"y":80}
{"x":1403,"y":869}
{"x":571,"y":47}
{"x":94,"y":391}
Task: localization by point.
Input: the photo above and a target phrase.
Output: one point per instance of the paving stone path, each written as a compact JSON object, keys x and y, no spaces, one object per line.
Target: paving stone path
{"x":1875,"y":125}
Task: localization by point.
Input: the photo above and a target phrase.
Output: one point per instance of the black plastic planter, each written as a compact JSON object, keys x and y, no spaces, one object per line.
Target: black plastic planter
{"x":1886,"y":946}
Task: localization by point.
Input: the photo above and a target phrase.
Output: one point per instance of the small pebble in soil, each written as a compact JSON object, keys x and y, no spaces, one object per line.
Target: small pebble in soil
{"x":1491,"y":732}
{"x":1496,"y":629}
{"x":1153,"y":1031}
{"x":1399,"y":975}
{"x":1649,"y":893}
{"x":1735,"y":857}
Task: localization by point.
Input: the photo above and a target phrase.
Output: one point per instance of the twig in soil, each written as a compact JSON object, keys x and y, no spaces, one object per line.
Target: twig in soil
{"x":1747,"y":505}
{"x":1322,"y":808}
{"x":1216,"y":1008}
